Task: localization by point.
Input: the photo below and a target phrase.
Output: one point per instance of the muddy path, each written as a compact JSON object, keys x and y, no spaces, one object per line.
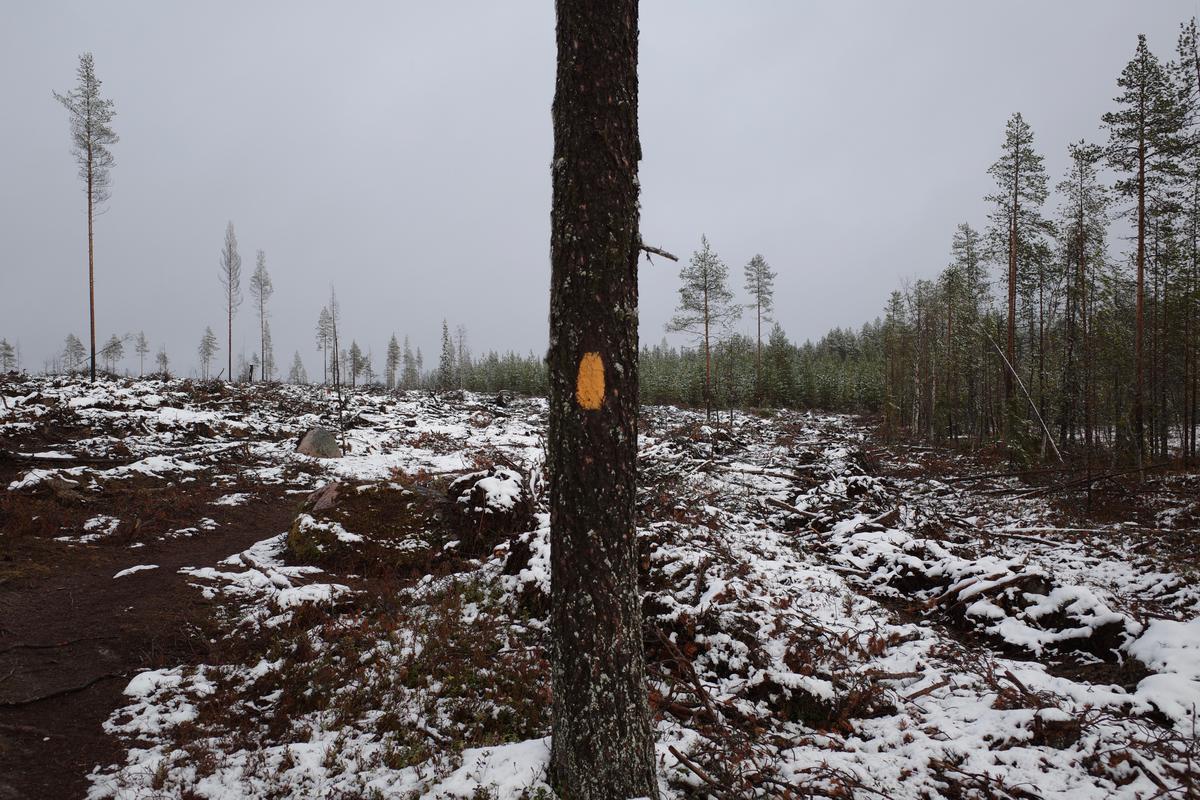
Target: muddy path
{"x":71,"y":635}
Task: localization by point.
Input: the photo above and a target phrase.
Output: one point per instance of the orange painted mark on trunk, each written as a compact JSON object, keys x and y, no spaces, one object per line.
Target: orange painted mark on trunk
{"x":589,"y":386}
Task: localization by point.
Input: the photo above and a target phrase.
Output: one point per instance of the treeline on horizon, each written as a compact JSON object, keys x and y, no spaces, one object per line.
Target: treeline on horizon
{"x":1040,"y":334}
{"x":1036,"y":335}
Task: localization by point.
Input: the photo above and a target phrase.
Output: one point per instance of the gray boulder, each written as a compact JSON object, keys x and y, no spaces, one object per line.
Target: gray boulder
{"x":319,"y":443}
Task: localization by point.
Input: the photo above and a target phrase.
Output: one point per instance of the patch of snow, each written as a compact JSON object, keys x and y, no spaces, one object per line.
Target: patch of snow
{"x":138,"y":568}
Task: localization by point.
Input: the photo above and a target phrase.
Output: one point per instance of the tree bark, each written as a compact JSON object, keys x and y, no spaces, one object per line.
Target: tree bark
{"x":91,"y":259}
{"x":1011,"y":343}
{"x":1085,"y":329}
{"x":707,"y":359}
{"x":1139,"y":327}
{"x":758,"y":387}
{"x":603,"y":744}
{"x":262,"y":338}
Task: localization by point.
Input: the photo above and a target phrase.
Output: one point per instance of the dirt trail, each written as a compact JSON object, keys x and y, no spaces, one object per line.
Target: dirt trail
{"x":76,"y":626}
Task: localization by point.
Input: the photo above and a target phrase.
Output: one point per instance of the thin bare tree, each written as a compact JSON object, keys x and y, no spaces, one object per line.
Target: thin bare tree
{"x":141,"y":346}
{"x":231,"y":283}
{"x":91,"y":135}
{"x":261,"y":291}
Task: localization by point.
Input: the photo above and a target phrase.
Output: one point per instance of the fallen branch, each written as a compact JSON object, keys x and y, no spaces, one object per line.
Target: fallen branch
{"x":790,"y":476}
{"x":693,"y":677}
{"x":1018,"y":537}
{"x":51,"y":645}
{"x":957,"y":588}
{"x":782,"y":506}
{"x":1087,"y":481}
{"x":694,"y":768}
{"x":62,"y":692}
{"x":991,"y":591}
{"x":1016,"y":682}
{"x":91,"y":461}
{"x":1012,"y":474}
{"x":933,"y":687}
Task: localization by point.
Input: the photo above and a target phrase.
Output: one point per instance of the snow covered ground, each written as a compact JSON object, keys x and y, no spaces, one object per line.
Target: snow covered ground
{"x":823,"y":617}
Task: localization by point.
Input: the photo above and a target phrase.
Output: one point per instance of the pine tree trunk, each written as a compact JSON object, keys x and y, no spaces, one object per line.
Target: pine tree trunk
{"x":1041,"y":374}
{"x":1085,"y":332}
{"x":707,"y":360}
{"x":950,"y":393}
{"x":91,"y":261}
{"x":1162,"y":373}
{"x":758,"y":359}
{"x":603,"y":743}
{"x":1139,"y":327}
{"x":1011,"y":343}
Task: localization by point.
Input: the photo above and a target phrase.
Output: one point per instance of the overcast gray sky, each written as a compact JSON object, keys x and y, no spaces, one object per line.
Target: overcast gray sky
{"x":401,"y":151}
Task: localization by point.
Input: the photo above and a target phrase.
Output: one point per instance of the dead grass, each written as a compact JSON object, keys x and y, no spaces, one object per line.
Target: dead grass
{"x":426,"y":681}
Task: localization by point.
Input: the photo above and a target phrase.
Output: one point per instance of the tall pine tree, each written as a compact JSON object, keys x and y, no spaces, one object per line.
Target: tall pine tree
{"x":706,"y":307}
{"x":1143,"y":143}
{"x":1017,"y":225}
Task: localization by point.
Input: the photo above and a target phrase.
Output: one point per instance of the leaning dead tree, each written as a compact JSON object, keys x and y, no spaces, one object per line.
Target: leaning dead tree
{"x":603,"y":744}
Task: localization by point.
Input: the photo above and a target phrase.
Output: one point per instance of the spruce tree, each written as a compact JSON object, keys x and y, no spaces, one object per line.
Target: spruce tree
{"x":462,"y":356}
{"x":412,"y":377}
{"x":445,"y":376}
{"x":391,"y":363}
{"x":297,"y":375}
{"x":356,"y":363}
{"x":779,"y":372}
